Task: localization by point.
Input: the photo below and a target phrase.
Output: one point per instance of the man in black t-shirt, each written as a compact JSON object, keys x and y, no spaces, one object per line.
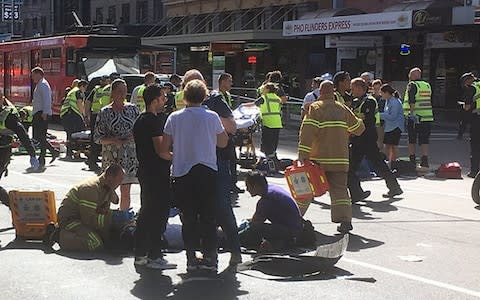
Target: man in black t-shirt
{"x":154,"y":178}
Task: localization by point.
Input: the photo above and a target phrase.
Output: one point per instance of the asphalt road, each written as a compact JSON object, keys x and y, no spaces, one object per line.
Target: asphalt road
{"x":423,"y":245}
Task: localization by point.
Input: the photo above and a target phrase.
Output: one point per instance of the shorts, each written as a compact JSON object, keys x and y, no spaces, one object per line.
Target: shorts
{"x":392,"y":137}
{"x":420,"y":131}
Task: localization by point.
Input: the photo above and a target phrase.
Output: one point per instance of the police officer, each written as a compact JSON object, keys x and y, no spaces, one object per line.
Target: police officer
{"x":472,"y":105}
{"x":417,"y":107}
{"x":9,"y":125}
{"x":71,"y":113}
{"x":137,"y":94}
{"x":341,"y":82}
{"x":93,"y":104}
{"x":365,"y":107}
{"x":467,"y":81}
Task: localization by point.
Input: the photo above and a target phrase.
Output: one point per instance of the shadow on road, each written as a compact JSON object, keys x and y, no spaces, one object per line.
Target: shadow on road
{"x":110,"y":258}
{"x":21,"y":244}
{"x":358,"y":243}
{"x":152,"y":284}
{"x":382,"y":206}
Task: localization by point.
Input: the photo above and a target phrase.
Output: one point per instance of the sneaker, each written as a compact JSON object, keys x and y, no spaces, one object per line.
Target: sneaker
{"x":235,"y":189}
{"x":362,"y":196}
{"x":235,"y":259}
{"x":160,"y":264}
{"x":393,"y":192}
{"x":345,"y":227}
{"x":140,"y":261}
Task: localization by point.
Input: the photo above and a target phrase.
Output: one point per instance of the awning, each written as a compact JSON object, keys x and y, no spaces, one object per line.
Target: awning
{"x":328,"y":13}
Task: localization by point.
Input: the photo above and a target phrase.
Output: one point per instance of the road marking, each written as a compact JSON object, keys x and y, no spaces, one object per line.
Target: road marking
{"x":414,"y":277}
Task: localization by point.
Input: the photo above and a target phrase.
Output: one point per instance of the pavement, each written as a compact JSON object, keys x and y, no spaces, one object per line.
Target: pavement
{"x":421,"y":245}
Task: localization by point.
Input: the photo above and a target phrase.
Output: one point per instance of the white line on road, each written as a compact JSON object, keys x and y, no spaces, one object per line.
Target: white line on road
{"x":414,"y":277}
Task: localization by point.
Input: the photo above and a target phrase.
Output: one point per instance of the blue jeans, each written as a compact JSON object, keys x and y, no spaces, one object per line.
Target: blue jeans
{"x":225,"y":216}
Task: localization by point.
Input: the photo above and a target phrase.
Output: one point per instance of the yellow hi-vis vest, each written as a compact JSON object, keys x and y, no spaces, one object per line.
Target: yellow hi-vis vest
{"x":105,"y":96}
{"x":423,"y":101}
{"x":70,"y":103}
{"x":339,"y":97}
{"x":271,"y":111}
{"x":28,"y":110}
{"x":139,"y":98}
{"x":358,"y":111}
{"x":4,"y":113}
{"x":99,"y":99}
{"x":476,"y":97}
{"x":179,"y":103}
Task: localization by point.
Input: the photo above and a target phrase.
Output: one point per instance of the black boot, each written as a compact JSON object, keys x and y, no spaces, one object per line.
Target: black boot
{"x":424,"y":161}
{"x":413,"y":159}
{"x":345,"y":227}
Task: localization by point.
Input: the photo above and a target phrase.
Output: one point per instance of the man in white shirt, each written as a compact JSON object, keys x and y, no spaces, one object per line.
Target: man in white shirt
{"x":42,"y":109}
{"x":312,"y":96}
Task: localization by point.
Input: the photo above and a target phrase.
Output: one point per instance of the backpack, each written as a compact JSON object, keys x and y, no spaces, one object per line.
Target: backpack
{"x":451,"y":170}
{"x":307,"y":238}
{"x":404,"y":168}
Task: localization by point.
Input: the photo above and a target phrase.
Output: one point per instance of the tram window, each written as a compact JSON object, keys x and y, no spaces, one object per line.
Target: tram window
{"x":56,"y":53}
{"x":71,"y":65}
{"x":46,"y":53}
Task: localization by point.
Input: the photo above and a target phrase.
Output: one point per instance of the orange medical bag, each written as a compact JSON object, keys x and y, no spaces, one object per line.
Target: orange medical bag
{"x":32,"y":212}
{"x":306,"y":181}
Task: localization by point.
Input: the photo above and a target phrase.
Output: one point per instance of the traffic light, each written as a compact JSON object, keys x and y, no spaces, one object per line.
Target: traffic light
{"x":252,"y":60}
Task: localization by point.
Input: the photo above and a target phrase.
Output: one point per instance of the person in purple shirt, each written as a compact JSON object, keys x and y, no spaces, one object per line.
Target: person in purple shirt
{"x":276,"y":206}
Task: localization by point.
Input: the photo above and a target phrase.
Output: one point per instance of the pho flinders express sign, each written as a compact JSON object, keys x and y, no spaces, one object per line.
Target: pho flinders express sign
{"x":356,"y":23}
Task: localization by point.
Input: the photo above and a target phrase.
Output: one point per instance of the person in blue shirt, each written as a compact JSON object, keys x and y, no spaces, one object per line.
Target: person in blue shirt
{"x":394,"y":121}
{"x":278,"y":207}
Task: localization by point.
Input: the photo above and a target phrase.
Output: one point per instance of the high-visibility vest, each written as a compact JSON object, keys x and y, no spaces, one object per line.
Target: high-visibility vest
{"x":179,"y":103}
{"x":4,"y":113}
{"x":99,"y":99}
{"x":139,"y":98}
{"x":358,"y":111}
{"x":227,"y":98}
{"x":28,"y":110}
{"x":423,"y":101}
{"x":476,"y":97}
{"x":105,"y":95}
{"x":339,"y":97}
{"x":271,"y":111}
{"x":70,"y":103}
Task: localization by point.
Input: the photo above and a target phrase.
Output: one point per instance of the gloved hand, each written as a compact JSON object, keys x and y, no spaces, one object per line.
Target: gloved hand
{"x":121,"y":216}
{"x":34,"y":163}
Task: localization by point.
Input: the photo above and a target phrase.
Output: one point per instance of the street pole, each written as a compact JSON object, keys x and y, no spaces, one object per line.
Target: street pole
{"x":13,"y":19}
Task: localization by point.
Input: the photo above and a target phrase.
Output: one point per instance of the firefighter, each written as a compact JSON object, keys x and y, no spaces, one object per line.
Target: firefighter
{"x":84,"y":217}
{"x":341,"y":81}
{"x":93,"y":104}
{"x":72,"y":113}
{"x":472,"y":105}
{"x":10,"y":124}
{"x":417,"y":107}
{"x":137,"y":94}
{"x":324,"y":139}
{"x":365,"y":146}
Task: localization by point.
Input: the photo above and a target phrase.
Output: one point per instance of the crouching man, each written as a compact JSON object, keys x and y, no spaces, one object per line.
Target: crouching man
{"x":277,"y":206}
{"x":84,"y":217}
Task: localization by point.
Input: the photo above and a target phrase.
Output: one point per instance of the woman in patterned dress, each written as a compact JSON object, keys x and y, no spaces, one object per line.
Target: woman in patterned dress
{"x":114,"y":131}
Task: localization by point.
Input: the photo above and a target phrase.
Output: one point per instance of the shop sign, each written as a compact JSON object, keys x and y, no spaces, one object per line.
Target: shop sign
{"x":356,"y":23}
{"x":227,"y":46}
{"x":353,"y":41}
{"x":432,"y":17}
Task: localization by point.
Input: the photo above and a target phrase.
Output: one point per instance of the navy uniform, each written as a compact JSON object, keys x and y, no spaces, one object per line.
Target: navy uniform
{"x":365,"y":145}
{"x":472,"y":101}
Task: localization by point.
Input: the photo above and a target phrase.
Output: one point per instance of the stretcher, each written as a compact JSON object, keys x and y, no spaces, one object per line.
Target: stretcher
{"x":80,"y":143}
{"x":247,"y":117}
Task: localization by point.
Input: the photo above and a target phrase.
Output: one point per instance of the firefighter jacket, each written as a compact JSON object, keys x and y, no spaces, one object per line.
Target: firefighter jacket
{"x":422,"y":100}
{"x":324,"y":135}
{"x":88,"y":203}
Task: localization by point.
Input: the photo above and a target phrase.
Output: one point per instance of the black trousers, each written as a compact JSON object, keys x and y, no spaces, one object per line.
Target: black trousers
{"x":367,"y":148}
{"x":194,"y":195}
{"x":40,"y":127}
{"x":72,"y":122}
{"x":466,"y":118}
{"x":270,"y":138}
{"x":156,"y":200}
{"x":275,"y":233}
{"x":475,"y":144}
{"x":95,"y":149}
{"x":233,"y":168}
